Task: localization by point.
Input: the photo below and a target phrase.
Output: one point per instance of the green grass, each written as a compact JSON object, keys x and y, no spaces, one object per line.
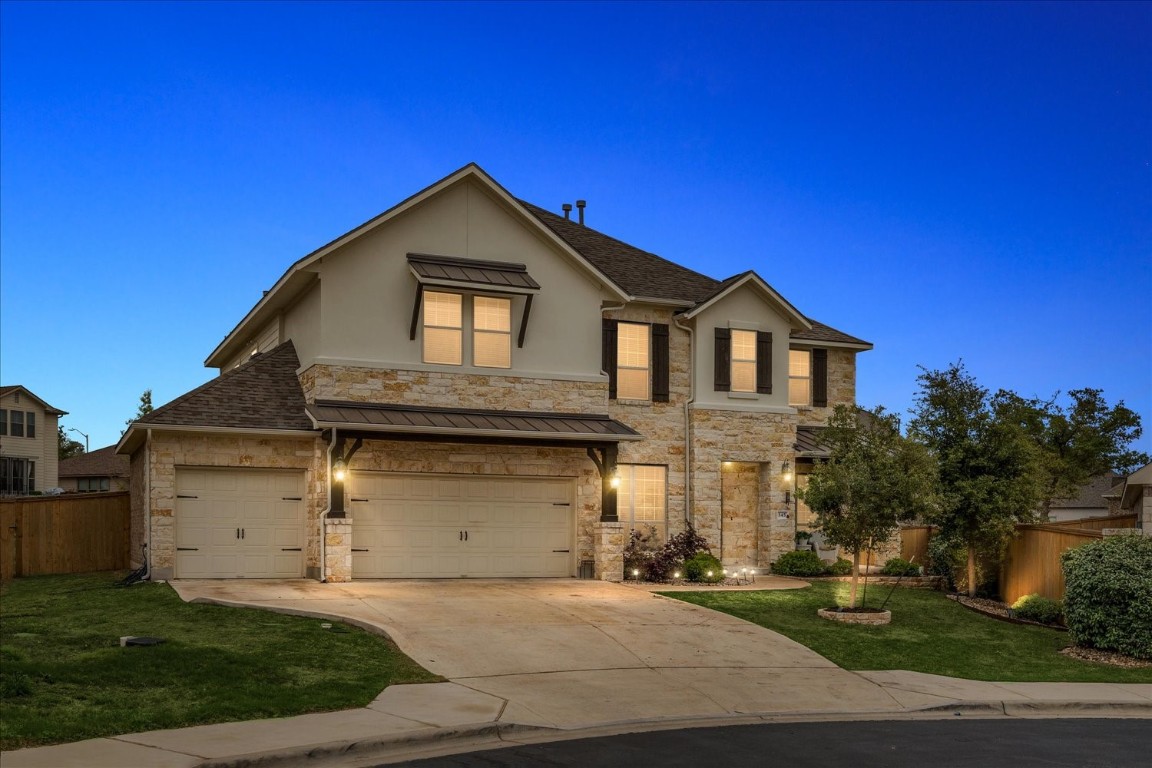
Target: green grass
{"x":929,"y":633}
{"x":64,"y":676}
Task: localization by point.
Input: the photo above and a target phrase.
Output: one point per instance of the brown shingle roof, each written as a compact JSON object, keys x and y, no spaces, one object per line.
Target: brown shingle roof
{"x":102,"y":462}
{"x":645,"y":274}
{"x":1090,"y":495}
{"x":263,"y":393}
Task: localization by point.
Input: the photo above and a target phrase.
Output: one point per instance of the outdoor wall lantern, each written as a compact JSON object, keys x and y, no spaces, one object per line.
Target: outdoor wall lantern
{"x":615,"y":481}
{"x":786,"y":471}
{"x":339,"y":470}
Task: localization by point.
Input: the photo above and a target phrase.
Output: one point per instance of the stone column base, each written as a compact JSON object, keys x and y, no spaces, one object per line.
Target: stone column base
{"x":608,"y":551}
{"x":337,"y":549}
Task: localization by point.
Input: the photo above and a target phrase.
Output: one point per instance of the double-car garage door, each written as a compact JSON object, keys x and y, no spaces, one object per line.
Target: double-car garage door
{"x":448,"y":526}
{"x":250,"y":523}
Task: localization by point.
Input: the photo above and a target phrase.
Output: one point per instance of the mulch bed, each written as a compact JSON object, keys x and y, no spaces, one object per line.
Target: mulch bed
{"x":998,"y":610}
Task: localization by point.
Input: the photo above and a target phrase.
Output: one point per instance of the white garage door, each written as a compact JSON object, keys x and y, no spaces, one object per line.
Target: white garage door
{"x":448,"y":526}
{"x":246,"y":523}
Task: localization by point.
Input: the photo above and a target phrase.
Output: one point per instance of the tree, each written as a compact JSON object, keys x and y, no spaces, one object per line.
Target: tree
{"x":872,"y":481}
{"x":143,"y":409}
{"x":1078,"y":441}
{"x":989,"y":469}
{"x":66,"y":447}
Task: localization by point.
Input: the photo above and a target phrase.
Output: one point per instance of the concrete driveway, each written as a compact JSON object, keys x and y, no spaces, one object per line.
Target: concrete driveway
{"x":570,"y":653}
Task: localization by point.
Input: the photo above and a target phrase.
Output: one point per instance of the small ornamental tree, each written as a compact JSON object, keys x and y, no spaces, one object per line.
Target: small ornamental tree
{"x":872,"y":481}
{"x":990,"y":476}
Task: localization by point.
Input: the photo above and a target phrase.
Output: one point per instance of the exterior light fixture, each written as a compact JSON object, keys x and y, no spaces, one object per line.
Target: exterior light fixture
{"x":636,"y":572}
{"x":339,"y":470}
{"x":786,"y":471}
{"x":615,"y":481}
{"x":709,"y":574}
{"x":676,"y":574}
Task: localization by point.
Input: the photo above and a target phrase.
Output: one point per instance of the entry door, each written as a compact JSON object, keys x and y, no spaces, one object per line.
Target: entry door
{"x":449,"y":526}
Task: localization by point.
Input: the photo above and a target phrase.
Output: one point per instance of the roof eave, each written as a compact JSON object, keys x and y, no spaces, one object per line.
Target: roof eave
{"x":796,"y":318}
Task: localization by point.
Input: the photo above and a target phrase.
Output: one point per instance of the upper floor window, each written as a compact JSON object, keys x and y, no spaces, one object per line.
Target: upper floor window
{"x":17,"y":424}
{"x":799,"y":377}
{"x":633,"y":359}
{"x":443,"y":328}
{"x":3,"y":421}
{"x":743,"y":361}
{"x":30,"y":424}
{"x":491,"y":331}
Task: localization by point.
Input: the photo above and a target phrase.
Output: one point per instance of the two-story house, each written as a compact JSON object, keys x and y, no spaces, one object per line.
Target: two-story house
{"x":28,"y":442}
{"x":470,"y":385}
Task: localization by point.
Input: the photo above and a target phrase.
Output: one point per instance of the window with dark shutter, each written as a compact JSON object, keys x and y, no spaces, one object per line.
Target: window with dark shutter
{"x":764,"y":362}
{"x":659,"y":363}
{"x":820,"y":378}
{"x":608,"y":355}
{"x":723,"y":374}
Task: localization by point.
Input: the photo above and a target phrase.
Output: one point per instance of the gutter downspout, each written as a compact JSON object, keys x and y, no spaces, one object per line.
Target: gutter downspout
{"x":688,"y":417}
{"x":324,"y":514}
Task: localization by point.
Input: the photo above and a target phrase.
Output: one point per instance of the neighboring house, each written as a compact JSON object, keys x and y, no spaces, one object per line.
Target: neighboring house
{"x":28,"y":442}
{"x":1089,"y":501}
{"x":100,"y":470}
{"x":510,"y":392}
{"x":1135,"y":497}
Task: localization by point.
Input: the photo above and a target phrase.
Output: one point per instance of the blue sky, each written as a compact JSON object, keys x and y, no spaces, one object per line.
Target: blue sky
{"x":945,"y":180}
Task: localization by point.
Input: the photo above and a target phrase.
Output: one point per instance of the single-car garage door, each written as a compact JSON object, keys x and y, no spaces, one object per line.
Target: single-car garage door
{"x":448,"y":526}
{"x":246,"y":523}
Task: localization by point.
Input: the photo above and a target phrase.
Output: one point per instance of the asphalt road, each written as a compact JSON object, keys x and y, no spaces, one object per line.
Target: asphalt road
{"x":1068,"y":743}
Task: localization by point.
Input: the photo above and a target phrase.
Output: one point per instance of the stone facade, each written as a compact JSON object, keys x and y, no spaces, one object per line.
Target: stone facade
{"x":337,"y":549}
{"x":841,"y":387}
{"x":609,"y":549}
{"x":739,"y":503}
{"x":138,"y":510}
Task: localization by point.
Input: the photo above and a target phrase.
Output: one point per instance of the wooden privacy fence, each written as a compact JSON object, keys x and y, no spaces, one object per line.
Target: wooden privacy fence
{"x":64,"y":534}
{"x":914,"y":543}
{"x":1032,"y":564}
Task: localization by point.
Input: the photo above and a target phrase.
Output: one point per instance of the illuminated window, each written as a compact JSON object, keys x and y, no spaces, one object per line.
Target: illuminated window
{"x":492,"y":332}
{"x":443,"y":328}
{"x":743,"y":361}
{"x":799,"y":377}
{"x":642,"y":496}
{"x":632,"y":361}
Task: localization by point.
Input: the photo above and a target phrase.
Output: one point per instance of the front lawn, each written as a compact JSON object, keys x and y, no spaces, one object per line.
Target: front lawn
{"x":64,"y":676}
{"x":929,"y":633}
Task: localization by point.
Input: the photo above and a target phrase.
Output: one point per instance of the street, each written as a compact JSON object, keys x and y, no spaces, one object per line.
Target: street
{"x":1070,"y":743}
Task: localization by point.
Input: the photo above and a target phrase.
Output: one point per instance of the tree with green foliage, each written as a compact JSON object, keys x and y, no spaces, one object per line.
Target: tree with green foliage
{"x":872,"y":481}
{"x":1078,"y":441}
{"x":66,"y":447}
{"x":989,"y":469}
{"x":143,"y":409}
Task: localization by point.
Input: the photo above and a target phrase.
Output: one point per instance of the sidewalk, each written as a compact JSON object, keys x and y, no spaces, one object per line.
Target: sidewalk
{"x":405,"y":721}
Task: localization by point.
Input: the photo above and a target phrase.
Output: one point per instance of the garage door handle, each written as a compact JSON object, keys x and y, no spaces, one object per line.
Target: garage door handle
{"x":290,"y":549}
{"x":561,"y":504}
{"x":358,"y":550}
{"x":186,"y":497}
{"x":561,"y":550}
{"x":291,"y":498}
{"x":187,"y":549}
{"x":359,"y":499}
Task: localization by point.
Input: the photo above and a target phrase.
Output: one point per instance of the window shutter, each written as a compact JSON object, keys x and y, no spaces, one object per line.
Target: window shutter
{"x":819,"y":378}
{"x":659,"y":363}
{"x":764,"y":362}
{"x":608,"y":356}
{"x":723,"y":360}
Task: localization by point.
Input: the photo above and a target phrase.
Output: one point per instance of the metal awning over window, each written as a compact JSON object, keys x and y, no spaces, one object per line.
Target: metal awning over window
{"x":402,"y":422}
{"x":498,"y":276}
{"x":808,"y":443}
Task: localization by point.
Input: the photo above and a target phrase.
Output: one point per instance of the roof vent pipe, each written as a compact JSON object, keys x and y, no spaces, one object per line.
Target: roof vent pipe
{"x":580,"y":205}
{"x":567,"y":210}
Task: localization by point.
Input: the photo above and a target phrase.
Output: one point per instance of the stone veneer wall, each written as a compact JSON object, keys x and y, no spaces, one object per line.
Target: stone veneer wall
{"x":841,"y":386}
{"x":443,"y":389}
{"x":451,"y":458}
{"x":172,"y":450}
{"x":766,"y":439}
{"x":662,"y":424}
{"x":739,"y":502}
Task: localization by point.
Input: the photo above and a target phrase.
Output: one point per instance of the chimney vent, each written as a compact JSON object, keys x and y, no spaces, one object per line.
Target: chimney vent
{"x":580,"y":205}
{"x":567,"y":210}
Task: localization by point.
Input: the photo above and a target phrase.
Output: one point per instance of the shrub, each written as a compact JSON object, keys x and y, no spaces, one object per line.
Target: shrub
{"x":799,"y":563}
{"x":1039,"y":609}
{"x":697,"y":568}
{"x":639,"y":553}
{"x":656,"y":562}
{"x":841,"y":567}
{"x":1108,"y":595}
{"x":898,"y":566}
